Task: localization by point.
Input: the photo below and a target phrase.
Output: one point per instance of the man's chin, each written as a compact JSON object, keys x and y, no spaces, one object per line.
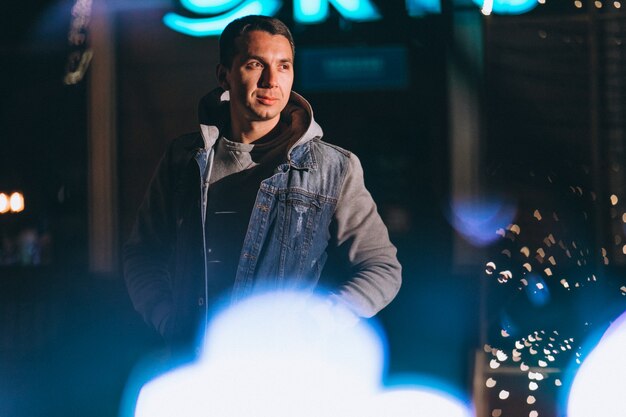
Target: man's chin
{"x":266,"y":116}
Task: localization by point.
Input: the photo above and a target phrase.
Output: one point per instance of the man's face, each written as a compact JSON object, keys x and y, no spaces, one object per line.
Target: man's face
{"x":259,"y":79}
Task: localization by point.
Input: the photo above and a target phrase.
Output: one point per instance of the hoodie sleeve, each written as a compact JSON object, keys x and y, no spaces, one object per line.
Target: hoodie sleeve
{"x":148,"y":250}
{"x":363,"y":240}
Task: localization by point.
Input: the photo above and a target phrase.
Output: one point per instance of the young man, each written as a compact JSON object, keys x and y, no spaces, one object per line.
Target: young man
{"x":255,"y":200}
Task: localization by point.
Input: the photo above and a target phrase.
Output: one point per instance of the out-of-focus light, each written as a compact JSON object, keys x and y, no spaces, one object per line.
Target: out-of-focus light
{"x":537,"y":290}
{"x":487,"y":7}
{"x":598,"y":387}
{"x":578,"y":4}
{"x":208,"y":6}
{"x":617,"y":4}
{"x":16,"y":202}
{"x":507,"y":324}
{"x":78,"y":61}
{"x":508,"y":6}
{"x":13,"y":203}
{"x":418,"y":8}
{"x":414,"y":402}
{"x":286,"y":354}
{"x":213,"y":26}
{"x":598,"y":4}
{"x":4,"y":203}
{"x":478,"y":221}
{"x":316,"y":11}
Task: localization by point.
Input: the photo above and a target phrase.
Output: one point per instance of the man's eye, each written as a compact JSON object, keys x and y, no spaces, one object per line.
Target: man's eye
{"x":254,"y":64}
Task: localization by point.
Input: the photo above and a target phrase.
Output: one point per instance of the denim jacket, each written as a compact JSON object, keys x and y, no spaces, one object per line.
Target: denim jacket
{"x":314,"y":199}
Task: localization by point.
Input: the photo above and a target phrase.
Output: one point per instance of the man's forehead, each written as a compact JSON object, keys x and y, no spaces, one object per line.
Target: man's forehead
{"x":253,"y":42}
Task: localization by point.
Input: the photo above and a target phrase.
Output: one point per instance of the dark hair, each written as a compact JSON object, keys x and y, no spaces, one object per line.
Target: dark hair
{"x":241,"y":26}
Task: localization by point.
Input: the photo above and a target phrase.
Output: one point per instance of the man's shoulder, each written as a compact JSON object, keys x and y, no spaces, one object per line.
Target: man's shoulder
{"x":329,"y":148}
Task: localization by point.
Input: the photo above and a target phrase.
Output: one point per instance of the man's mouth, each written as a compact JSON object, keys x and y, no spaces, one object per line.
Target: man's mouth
{"x":267,"y":100}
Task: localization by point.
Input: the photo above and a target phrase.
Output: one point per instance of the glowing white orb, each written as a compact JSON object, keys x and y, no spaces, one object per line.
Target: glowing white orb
{"x":16,"y":202}
{"x":416,"y":402}
{"x":284,"y":355}
{"x":280,"y":354}
{"x":598,"y":388}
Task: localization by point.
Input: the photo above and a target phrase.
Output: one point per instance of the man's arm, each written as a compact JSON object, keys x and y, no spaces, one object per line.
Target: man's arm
{"x":149,"y":249}
{"x":363,"y":240}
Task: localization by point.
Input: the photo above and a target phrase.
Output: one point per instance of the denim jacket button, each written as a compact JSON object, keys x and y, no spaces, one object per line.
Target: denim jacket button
{"x":201,"y":301}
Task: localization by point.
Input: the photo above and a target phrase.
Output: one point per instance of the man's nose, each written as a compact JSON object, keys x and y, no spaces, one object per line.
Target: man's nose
{"x":269,"y":77}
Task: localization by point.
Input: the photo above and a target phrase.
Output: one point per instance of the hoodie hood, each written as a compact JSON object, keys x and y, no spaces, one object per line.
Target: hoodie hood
{"x":214,"y":112}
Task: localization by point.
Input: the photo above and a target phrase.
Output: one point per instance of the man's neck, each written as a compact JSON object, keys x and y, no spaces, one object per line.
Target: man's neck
{"x":252,"y":131}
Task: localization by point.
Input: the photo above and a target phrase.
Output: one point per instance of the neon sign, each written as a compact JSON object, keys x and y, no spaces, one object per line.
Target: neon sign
{"x":214,"y":15}
{"x":506,"y":6}
{"x":316,"y":11}
{"x":417,"y":8}
{"x":213,"y":26}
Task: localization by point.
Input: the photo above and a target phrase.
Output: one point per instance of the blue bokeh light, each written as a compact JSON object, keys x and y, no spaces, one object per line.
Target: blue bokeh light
{"x":209,"y":6}
{"x":478,"y":221}
{"x":537,"y":290}
{"x":507,"y":324}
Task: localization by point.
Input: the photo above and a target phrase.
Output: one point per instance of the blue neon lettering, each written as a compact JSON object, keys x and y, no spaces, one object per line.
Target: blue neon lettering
{"x":213,"y":26}
{"x":316,"y":11}
{"x":509,"y":6}
{"x":312,"y":11}
{"x":209,"y":6}
{"x":417,"y":8}
{"x":223,"y":12}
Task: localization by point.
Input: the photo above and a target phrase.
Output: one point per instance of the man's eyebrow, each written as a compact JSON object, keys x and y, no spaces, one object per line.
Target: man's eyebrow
{"x":260,"y":58}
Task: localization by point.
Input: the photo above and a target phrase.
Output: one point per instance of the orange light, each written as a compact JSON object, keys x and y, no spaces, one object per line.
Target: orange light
{"x":16,"y":202}
{"x":4,"y":203}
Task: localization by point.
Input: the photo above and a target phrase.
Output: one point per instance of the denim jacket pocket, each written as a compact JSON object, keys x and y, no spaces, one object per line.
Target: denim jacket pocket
{"x":300,"y":213}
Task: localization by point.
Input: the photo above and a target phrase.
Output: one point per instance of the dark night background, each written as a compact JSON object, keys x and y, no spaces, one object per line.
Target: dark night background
{"x":551,"y":97}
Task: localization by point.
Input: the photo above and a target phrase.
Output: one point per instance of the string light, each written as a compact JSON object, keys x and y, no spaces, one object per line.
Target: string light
{"x":4,"y":203}
{"x":16,"y":202}
{"x":13,"y":203}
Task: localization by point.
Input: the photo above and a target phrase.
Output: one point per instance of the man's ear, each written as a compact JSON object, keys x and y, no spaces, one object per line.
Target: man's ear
{"x":222,"y":76}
